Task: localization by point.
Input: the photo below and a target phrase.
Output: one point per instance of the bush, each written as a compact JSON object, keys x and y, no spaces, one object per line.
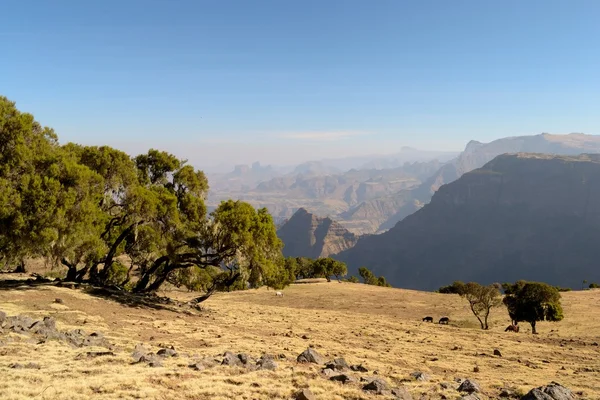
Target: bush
{"x":352,"y":279}
{"x":594,"y":286}
{"x":457,"y":287}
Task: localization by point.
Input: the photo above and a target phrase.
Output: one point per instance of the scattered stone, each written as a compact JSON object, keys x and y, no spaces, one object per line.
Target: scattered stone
{"x":402,"y":393}
{"x":94,"y":354}
{"x":305,"y":337}
{"x":379,"y":386}
{"x":2,"y":317}
{"x":497,"y":353}
{"x":304,"y":394}
{"x":266,"y":362}
{"x":420,"y":376}
{"x":244,"y":359}
{"x":168,"y":352}
{"x":471,"y":396}
{"x":358,"y":368}
{"x":476,"y":369}
{"x":553,"y":391}
{"x":469,"y":386}
{"x":310,"y":356}
{"x":328,"y":372}
{"x":593,"y":344}
{"x":344,"y":378}
{"x":338,"y":364}
{"x":59,"y":301}
{"x":231,"y":359}
{"x":138,"y":353}
{"x":444,"y":385}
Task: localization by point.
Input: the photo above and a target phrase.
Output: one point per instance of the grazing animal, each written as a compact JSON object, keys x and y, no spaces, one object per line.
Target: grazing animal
{"x":428,"y":319}
{"x":279,"y":294}
{"x":444,"y":320}
{"x":512,"y":328}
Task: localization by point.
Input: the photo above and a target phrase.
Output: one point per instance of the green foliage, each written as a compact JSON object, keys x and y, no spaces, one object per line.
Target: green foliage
{"x":594,"y":285}
{"x":532,"y":302}
{"x":481,"y":299}
{"x":369,"y":278}
{"x":353,"y":279}
{"x":327,"y":267}
{"x":457,"y":287}
{"x":84,"y":206}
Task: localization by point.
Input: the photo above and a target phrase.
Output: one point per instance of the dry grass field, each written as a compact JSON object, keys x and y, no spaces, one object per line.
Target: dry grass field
{"x":378,"y":327}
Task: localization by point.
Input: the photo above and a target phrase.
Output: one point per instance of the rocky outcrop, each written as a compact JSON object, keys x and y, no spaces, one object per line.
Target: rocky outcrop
{"x":306,"y":235}
{"x":524,"y":216}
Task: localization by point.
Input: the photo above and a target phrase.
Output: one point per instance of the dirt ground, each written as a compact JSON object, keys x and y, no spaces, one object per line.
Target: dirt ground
{"x":378,"y":327}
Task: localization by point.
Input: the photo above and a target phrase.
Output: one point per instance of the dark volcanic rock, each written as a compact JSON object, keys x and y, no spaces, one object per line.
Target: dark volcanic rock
{"x":553,"y":391}
{"x":310,"y":356}
{"x":344,"y":378}
{"x":469,"y":386}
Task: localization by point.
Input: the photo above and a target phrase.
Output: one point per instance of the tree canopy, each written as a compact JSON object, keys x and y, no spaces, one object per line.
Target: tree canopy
{"x":87,"y":207}
{"x":532,"y":302}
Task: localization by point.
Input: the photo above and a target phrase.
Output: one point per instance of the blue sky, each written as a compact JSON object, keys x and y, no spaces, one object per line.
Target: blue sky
{"x":286,"y":81}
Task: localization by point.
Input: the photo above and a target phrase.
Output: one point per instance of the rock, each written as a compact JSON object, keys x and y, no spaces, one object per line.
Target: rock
{"x":328,"y":372}
{"x":469,"y":386}
{"x":358,"y":368}
{"x":476,"y":369}
{"x":444,"y":385}
{"x":2,"y":317}
{"x":304,"y":394}
{"x":243,"y":358}
{"x":59,"y":301}
{"x":471,"y":396}
{"x":402,"y":393}
{"x":338,"y":364}
{"x":310,"y":356}
{"x":497,"y":353}
{"x":420,"y":376}
{"x":266,"y":362}
{"x":553,"y":391}
{"x":138,"y":353}
{"x":379,"y":386}
{"x":344,"y":378}
{"x":168,"y":352}
{"x":231,"y":359}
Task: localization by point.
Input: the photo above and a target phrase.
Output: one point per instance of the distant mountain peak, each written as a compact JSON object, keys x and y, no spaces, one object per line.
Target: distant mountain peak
{"x":307,"y":235}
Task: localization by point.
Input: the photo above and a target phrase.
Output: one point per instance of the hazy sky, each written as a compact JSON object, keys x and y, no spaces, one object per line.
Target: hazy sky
{"x":285,"y":81}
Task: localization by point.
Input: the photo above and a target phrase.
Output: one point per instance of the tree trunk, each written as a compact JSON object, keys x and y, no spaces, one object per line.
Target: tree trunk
{"x":21,"y":267}
{"x":145,"y":278}
{"x":71,"y":272}
{"x":485,"y":320}
{"x":533,"y":327}
{"x":108,"y":261}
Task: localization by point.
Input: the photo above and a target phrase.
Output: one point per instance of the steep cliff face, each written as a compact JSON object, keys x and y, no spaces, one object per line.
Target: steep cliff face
{"x":306,"y":235}
{"x":524,"y":216}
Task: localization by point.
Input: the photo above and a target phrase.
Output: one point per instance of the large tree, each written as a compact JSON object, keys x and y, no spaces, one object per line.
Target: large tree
{"x":481,"y":300}
{"x":532,"y":302}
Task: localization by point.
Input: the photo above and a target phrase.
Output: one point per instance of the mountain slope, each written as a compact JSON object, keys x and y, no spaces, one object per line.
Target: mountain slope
{"x":306,"y":235}
{"x":477,"y":154}
{"x":524,"y":216}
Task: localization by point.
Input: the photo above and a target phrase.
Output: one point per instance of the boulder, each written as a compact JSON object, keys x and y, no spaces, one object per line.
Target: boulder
{"x":304,"y":394}
{"x":401,"y":393}
{"x":168,"y":352}
{"x":471,"y":396}
{"x":266,"y":362}
{"x":553,"y":391}
{"x":338,"y":364}
{"x":328,"y":372}
{"x":358,"y":368}
{"x":469,"y":386}
{"x":231,"y":359}
{"x":310,"y":356}
{"x":379,"y":386}
{"x":243,"y":357}
{"x":2,"y":317}
{"x":497,"y":353}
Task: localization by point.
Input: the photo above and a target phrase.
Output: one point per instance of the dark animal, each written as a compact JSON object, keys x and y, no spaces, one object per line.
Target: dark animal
{"x":428,"y":319}
{"x":512,"y":328}
{"x":444,"y":320}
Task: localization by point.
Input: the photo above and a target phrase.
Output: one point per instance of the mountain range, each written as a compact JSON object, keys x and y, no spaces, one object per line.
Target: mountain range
{"x":521,"y":216}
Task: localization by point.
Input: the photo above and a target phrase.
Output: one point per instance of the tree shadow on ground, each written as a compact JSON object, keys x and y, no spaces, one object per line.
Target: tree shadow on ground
{"x":150,"y":301}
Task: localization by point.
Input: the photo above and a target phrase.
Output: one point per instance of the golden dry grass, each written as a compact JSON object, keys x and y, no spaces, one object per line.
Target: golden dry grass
{"x":379,"y":327}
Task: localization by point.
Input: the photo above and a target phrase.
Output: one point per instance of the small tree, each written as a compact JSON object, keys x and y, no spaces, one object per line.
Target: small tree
{"x":326,"y":267}
{"x":481,"y":300}
{"x":533,"y":302}
{"x":367,"y":276}
{"x":353,"y":279}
